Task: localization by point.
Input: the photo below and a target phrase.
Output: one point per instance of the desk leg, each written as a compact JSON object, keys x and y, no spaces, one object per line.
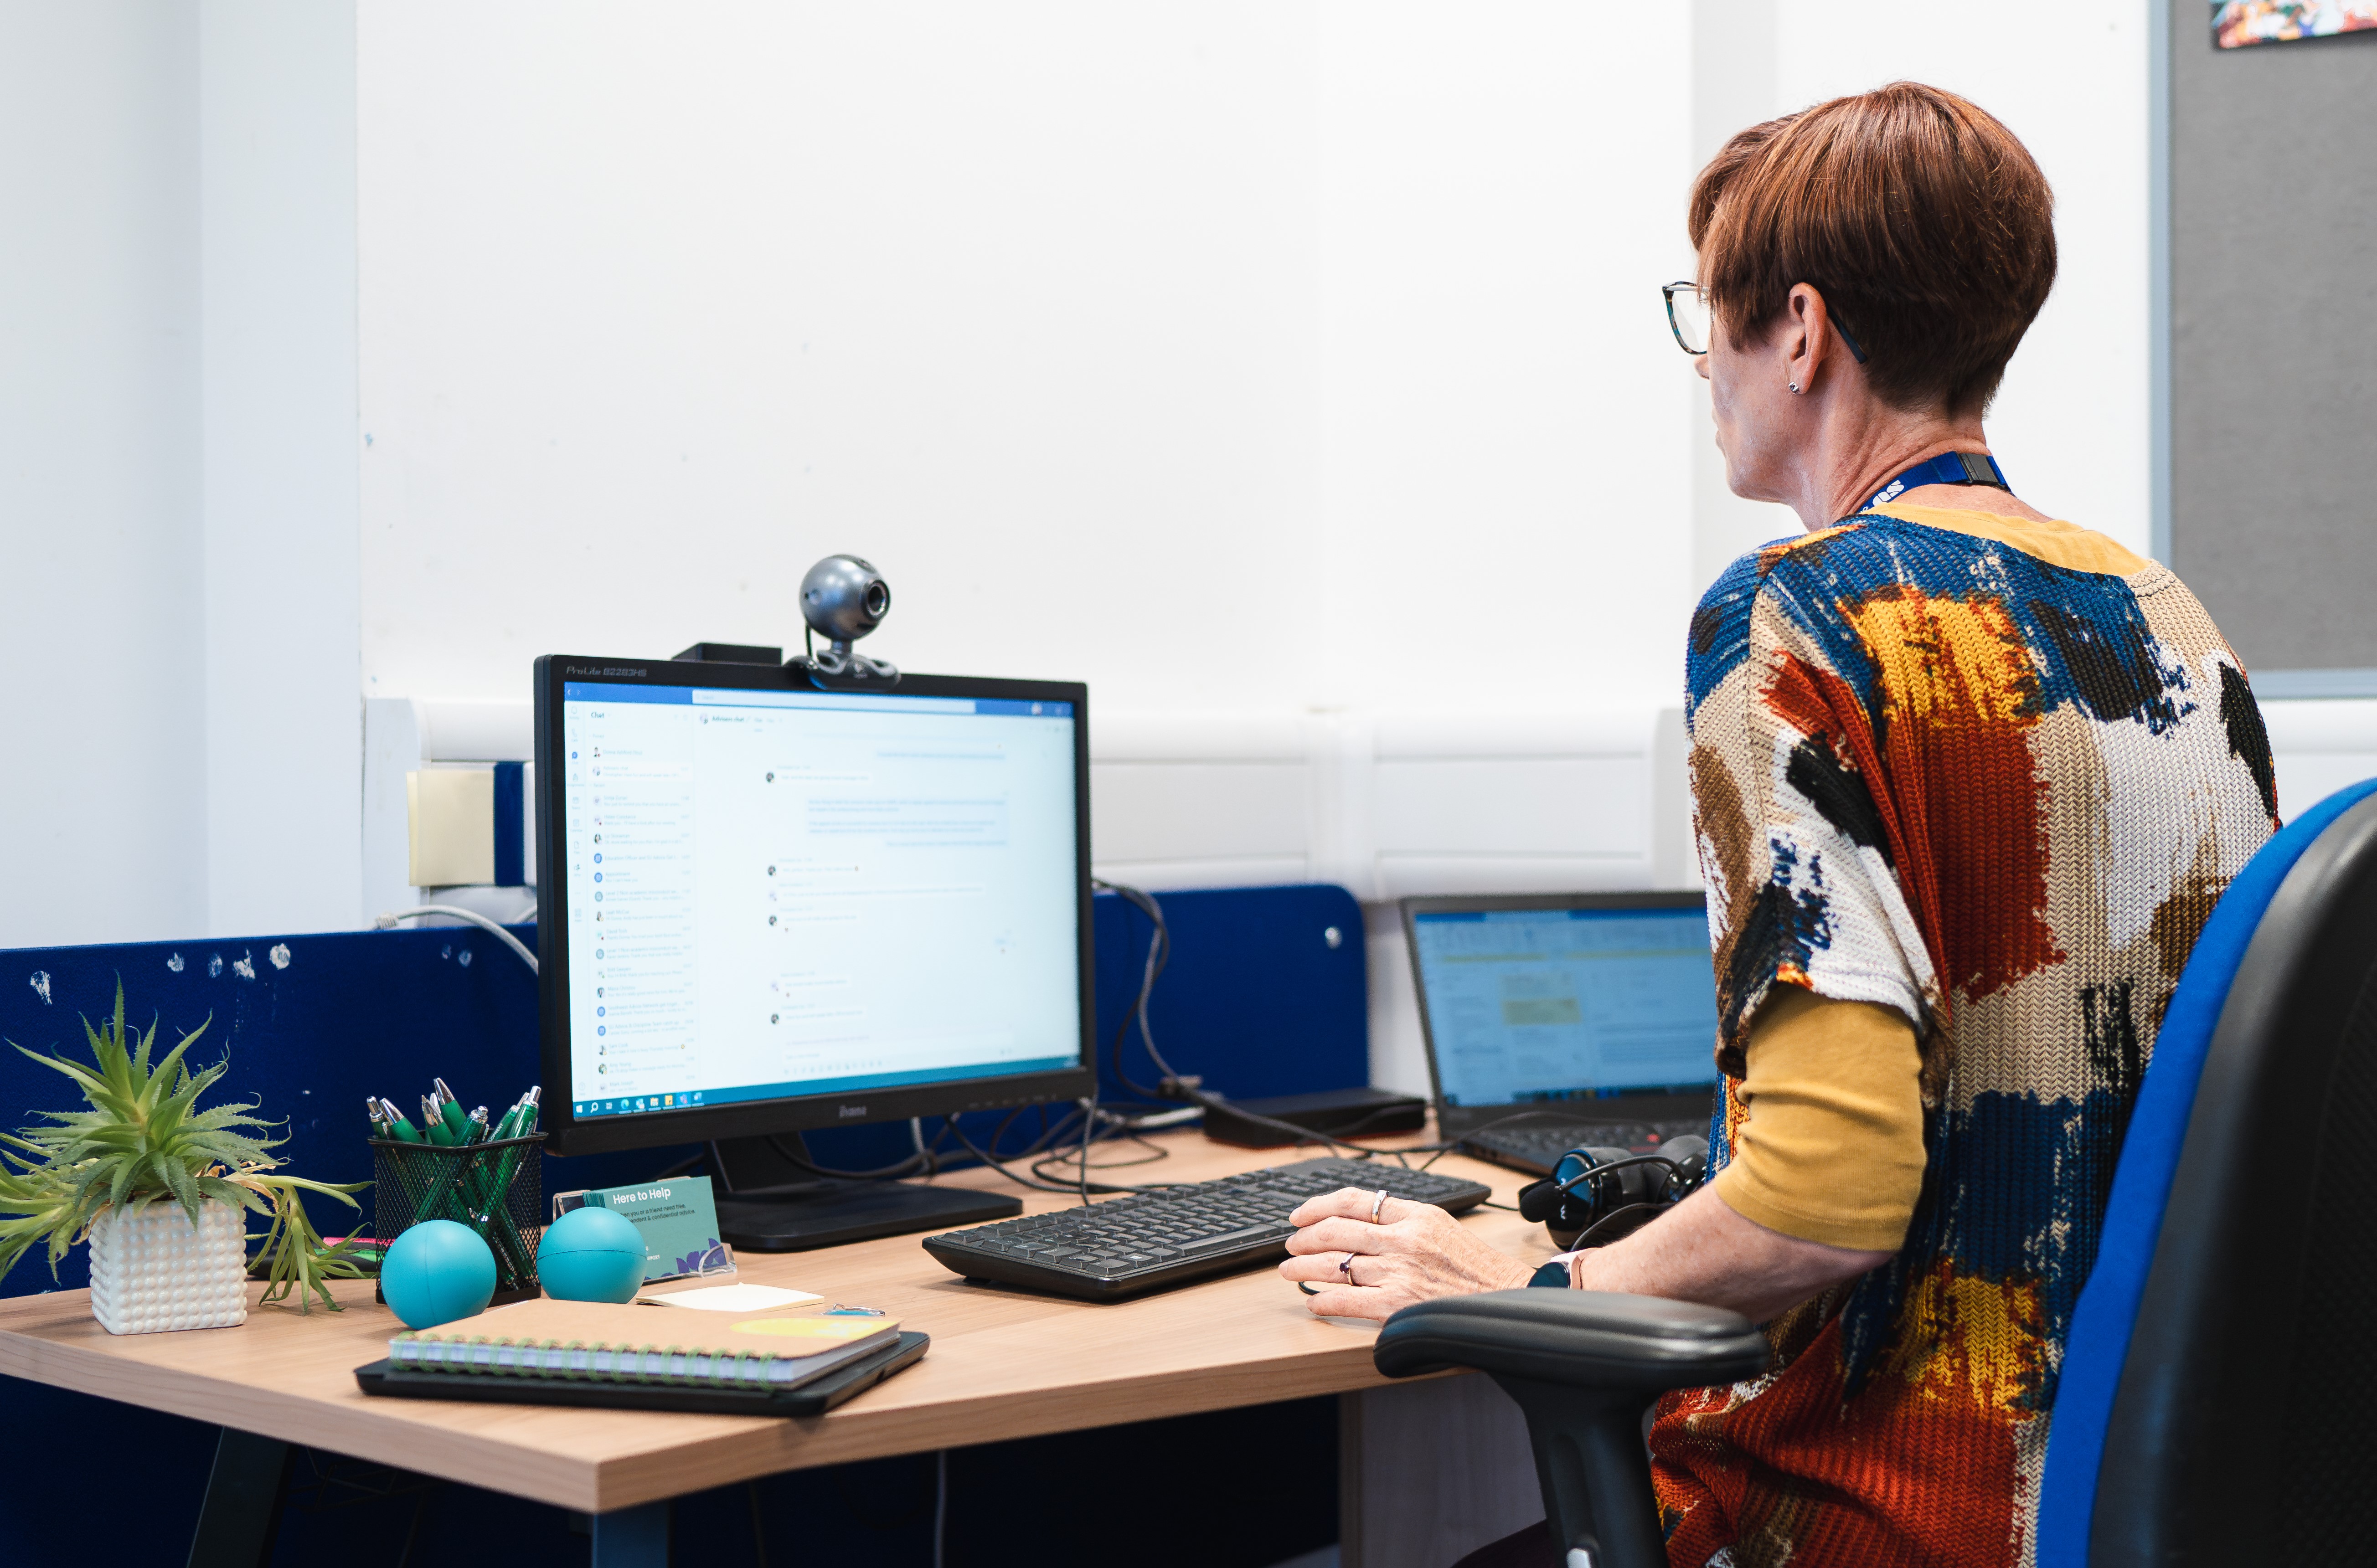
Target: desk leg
{"x":632,"y":1538}
{"x":240,"y":1514}
{"x":1431,"y":1470}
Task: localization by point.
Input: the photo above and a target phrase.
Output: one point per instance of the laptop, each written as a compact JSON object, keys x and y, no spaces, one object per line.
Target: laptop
{"x":1557,"y":1021}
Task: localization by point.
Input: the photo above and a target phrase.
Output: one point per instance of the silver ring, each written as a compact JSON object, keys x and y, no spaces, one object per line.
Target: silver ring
{"x":1346,"y":1268}
{"x":1378,"y":1205}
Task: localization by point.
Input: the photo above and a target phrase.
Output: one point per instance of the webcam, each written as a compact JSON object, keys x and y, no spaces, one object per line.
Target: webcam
{"x":843,"y":598}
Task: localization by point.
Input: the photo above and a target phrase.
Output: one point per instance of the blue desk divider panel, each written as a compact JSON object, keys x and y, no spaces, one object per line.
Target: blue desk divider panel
{"x":1255,"y":999}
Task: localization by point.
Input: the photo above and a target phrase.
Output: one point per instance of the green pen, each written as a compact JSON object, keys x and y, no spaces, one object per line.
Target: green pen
{"x":478,"y":1124}
{"x":371,"y":1113}
{"x":457,"y":1120}
{"x":433,"y":1124}
{"x":398,"y":1127}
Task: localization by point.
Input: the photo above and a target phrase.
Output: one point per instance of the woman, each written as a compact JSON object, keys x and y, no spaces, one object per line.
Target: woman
{"x":1968,"y":781}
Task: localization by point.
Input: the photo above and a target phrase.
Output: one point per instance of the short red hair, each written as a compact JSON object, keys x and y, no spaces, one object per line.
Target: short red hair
{"x":1923,"y":222}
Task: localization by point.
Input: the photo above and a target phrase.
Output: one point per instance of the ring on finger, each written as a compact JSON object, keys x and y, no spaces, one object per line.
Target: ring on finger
{"x":1377,"y":1206}
{"x":1346,"y":1268}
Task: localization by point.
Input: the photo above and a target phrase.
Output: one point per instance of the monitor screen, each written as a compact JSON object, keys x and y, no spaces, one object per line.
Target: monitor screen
{"x":1567,"y":1004}
{"x":776,"y":893}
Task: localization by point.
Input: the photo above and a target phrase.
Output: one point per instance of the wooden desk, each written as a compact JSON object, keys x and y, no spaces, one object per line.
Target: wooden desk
{"x":1003,"y":1364}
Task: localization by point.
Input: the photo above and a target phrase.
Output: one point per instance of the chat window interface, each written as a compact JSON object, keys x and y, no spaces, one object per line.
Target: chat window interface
{"x":1554,"y":1004}
{"x":780,"y":894}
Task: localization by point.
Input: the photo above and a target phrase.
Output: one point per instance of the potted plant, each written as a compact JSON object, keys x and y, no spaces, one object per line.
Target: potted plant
{"x":161,"y":1189}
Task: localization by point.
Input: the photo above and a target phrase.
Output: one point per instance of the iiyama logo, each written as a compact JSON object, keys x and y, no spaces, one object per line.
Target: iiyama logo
{"x":850,"y":1111}
{"x":604,"y":669}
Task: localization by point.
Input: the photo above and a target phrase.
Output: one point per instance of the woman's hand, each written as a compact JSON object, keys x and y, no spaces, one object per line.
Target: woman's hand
{"x":1415,"y":1251}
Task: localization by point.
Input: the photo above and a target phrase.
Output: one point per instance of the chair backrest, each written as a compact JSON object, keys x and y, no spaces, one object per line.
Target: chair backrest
{"x":2216,"y":1380}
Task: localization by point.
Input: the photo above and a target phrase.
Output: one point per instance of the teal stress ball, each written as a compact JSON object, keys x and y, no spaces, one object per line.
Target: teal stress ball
{"x":436,"y":1272}
{"x":591,"y":1255}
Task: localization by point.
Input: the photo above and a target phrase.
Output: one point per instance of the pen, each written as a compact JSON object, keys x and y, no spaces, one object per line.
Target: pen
{"x":450,"y":1110}
{"x":379,"y":1121}
{"x":399,"y":1128}
{"x":520,"y":1122}
{"x":478,"y":1125}
{"x":432,"y":1123}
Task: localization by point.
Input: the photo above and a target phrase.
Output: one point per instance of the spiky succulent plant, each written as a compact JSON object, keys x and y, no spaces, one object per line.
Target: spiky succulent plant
{"x":144,"y":1139}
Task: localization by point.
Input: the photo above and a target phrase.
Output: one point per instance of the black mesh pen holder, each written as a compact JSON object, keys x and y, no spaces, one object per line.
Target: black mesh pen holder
{"x":497,"y":1189}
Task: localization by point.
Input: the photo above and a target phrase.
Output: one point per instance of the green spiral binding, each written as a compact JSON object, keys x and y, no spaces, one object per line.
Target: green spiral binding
{"x":739,"y":1368}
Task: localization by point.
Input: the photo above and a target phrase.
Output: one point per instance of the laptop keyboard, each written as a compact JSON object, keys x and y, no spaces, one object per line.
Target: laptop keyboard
{"x":1537,"y":1145}
{"x":1153,"y":1241}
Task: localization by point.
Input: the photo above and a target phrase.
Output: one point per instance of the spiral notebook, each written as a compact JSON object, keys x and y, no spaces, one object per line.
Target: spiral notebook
{"x":595,"y":1342}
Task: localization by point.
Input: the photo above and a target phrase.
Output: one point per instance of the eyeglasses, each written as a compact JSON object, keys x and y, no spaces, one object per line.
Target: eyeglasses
{"x":1688,"y":318}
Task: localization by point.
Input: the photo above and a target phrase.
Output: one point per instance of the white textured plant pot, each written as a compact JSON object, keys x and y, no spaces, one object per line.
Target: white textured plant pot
{"x":153,"y":1270}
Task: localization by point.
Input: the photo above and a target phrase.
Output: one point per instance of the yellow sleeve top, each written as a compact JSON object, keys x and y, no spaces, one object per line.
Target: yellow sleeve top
{"x":1830,"y":1146}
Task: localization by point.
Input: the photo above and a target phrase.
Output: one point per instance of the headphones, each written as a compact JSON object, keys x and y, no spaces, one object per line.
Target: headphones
{"x":1591,"y":1190}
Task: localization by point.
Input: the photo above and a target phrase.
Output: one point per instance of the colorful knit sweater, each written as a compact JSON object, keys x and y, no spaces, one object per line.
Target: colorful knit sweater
{"x":1938,"y":773}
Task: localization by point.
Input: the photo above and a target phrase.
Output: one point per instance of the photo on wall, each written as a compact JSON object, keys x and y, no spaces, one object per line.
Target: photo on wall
{"x":2237,"y":24}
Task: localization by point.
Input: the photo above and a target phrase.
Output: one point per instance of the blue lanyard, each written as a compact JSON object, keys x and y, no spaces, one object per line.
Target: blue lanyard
{"x":1948,"y":468}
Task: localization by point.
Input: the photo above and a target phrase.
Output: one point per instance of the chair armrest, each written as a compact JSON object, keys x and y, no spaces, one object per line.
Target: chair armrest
{"x":1575,"y":1339}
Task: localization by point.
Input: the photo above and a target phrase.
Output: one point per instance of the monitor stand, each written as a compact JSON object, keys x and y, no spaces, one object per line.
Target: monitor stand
{"x":769,"y":1205}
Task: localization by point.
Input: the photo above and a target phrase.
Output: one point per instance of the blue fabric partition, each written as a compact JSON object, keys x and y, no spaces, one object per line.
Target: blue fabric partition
{"x":2108,"y":1308}
{"x":1256,"y":999}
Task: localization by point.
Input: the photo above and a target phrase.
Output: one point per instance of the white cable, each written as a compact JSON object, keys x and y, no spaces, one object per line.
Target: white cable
{"x":388,"y":922}
{"x":1161,"y":1119}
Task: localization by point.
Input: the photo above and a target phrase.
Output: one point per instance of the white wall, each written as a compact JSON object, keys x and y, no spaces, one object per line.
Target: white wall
{"x":284,"y":731}
{"x":658,"y":307}
{"x":102,"y":611}
{"x":2070,"y":423}
{"x":1226,"y":356}
{"x":1505,"y":458}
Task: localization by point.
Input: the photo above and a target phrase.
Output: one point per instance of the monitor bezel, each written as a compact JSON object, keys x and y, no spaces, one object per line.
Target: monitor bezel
{"x":1474,"y":903}
{"x":567,"y":1134}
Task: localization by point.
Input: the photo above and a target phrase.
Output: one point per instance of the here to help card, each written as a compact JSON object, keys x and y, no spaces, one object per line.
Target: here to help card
{"x":678,"y":1217}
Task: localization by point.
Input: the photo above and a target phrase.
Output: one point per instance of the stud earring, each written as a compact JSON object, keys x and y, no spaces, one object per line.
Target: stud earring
{"x":1794,"y":386}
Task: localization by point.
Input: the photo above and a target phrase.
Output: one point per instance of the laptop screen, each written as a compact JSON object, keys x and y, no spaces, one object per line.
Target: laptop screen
{"x":1567,"y":1004}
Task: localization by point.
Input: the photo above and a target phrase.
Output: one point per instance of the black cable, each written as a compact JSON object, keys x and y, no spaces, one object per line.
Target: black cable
{"x":1437,"y":1151}
{"x":924,"y":1157}
{"x":1674,"y":1166}
{"x":896,"y":1522}
{"x":682,"y":1166}
{"x":759,"y":1532}
{"x":1038,"y":1186}
{"x":1159,"y":955}
{"x":1602,"y":1224}
{"x":1155,"y":1152}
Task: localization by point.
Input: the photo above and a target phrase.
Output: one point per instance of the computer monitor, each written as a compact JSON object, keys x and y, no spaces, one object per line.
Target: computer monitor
{"x":766,"y":907}
{"x":1601,"y":1005}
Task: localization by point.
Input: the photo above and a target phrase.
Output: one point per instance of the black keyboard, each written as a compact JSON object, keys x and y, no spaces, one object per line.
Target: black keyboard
{"x":1128,"y":1246}
{"x":1536,"y":1146}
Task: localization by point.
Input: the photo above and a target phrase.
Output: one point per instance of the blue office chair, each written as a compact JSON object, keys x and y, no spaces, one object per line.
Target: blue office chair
{"x":2217,"y":1386}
